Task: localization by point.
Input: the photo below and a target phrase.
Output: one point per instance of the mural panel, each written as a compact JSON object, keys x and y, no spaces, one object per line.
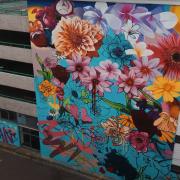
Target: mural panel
{"x":9,"y":133}
{"x":107,"y":85}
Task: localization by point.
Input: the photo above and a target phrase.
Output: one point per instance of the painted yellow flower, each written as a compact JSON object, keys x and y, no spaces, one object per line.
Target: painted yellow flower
{"x":47,"y":88}
{"x":163,"y":87}
{"x":176,"y":10}
{"x":126,"y":121}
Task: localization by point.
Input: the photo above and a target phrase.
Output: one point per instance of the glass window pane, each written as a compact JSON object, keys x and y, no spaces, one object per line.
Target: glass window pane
{"x":4,"y":114}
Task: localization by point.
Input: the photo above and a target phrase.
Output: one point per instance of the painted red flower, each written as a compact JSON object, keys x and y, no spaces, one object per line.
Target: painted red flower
{"x":139,"y":140}
{"x":168,"y":51}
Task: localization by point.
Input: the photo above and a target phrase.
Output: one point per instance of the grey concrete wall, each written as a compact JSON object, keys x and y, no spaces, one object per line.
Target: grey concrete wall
{"x":18,"y":106}
{"x":14,"y":22}
{"x":13,"y":80}
{"x":17,"y":54}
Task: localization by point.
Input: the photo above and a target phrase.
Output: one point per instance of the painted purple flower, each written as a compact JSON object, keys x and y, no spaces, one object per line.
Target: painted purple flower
{"x":108,"y":69}
{"x":50,"y":63}
{"x":134,"y":13}
{"x":129,"y":82}
{"x":78,"y":66}
{"x":148,"y":69}
{"x":127,"y":12}
{"x":158,"y":22}
{"x":96,"y":82}
{"x":100,"y":15}
{"x":139,"y":140}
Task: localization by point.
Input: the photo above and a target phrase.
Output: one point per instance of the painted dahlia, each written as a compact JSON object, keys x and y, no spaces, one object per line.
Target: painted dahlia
{"x":74,"y":35}
{"x":168,"y":51}
{"x":163,"y":87}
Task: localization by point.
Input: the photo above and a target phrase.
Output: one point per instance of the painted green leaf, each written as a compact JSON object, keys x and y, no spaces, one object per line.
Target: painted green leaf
{"x":66,"y":101}
{"x":84,"y":93}
{"x":86,"y":100}
{"x":118,"y":106}
{"x":150,"y":98}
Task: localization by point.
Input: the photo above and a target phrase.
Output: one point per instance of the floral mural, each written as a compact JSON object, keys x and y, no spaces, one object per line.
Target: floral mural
{"x":107,"y":84}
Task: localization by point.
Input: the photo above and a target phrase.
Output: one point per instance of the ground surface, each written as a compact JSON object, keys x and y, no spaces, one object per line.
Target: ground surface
{"x":19,"y":168}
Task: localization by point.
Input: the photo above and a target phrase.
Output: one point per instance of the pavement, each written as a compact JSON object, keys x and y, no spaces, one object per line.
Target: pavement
{"x":22,"y":164}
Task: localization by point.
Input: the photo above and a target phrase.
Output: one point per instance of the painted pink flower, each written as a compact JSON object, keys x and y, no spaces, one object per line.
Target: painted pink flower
{"x":108,"y":69}
{"x":78,"y":66}
{"x":96,"y":81}
{"x":50,"y":63}
{"x":148,"y":69}
{"x":129,"y":82}
{"x":139,"y":140}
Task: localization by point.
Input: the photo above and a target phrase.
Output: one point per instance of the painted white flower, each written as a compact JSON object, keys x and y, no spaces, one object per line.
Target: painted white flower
{"x":131,"y":31}
{"x":140,"y":50}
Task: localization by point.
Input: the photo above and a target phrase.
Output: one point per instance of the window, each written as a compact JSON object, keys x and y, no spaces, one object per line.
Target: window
{"x":15,"y":38}
{"x":30,"y":138}
{"x":8,"y":115}
{"x":18,"y":94}
{"x":16,"y":67}
{"x":27,"y":121}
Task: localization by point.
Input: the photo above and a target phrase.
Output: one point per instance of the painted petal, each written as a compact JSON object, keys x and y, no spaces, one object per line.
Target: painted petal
{"x":134,"y":91}
{"x":93,"y":73}
{"x":130,"y":51}
{"x":137,"y":63}
{"x":168,"y":19}
{"x":135,"y":27}
{"x":132,"y":74}
{"x":127,"y":8}
{"x":127,"y":89}
{"x":70,"y":62}
{"x":153,"y":63}
{"x":123,"y":77}
{"x":138,"y":81}
{"x":75,"y":75}
{"x":86,"y":61}
{"x":71,"y":68}
{"x":141,"y":45}
{"x":146,"y":31}
{"x":113,"y":21}
{"x":147,"y":52}
{"x":122,"y":84}
{"x":145,"y":61}
{"x":102,"y":6}
{"x":91,"y":16}
{"x":120,"y":90}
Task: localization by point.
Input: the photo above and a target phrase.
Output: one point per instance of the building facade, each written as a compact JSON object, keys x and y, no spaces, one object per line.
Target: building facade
{"x":18,"y":125}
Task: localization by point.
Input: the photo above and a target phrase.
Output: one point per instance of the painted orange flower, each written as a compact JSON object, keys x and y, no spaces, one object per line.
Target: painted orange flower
{"x":126,"y":121}
{"x":74,"y":35}
{"x":47,"y":88}
{"x":167,"y":125}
